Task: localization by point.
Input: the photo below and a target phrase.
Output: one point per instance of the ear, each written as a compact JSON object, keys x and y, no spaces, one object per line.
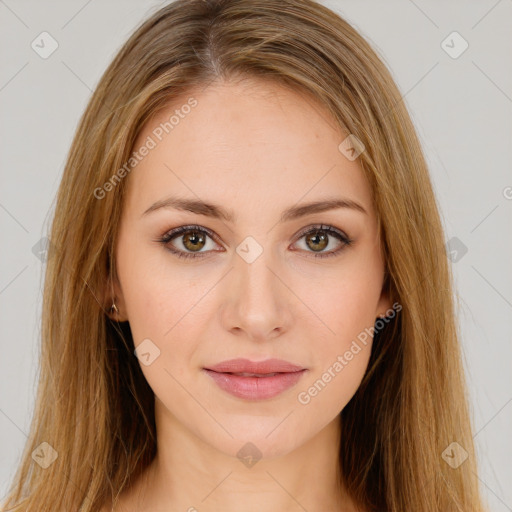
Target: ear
{"x":384,"y":304}
{"x":114,"y":295}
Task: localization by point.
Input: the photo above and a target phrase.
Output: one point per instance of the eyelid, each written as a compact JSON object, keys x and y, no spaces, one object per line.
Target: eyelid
{"x":322,"y":227}
{"x":172,"y":233}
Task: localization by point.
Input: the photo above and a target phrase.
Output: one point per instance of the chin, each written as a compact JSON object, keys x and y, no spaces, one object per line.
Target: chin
{"x":256,"y":438}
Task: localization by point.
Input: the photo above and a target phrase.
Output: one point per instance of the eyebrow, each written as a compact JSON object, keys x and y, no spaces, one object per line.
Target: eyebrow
{"x":219,"y":212}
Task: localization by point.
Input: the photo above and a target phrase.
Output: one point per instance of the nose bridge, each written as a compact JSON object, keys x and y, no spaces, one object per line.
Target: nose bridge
{"x":258,"y":293}
{"x":255,"y":280}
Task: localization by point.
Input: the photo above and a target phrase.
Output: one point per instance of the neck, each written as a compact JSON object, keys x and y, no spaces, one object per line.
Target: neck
{"x":189,"y":474}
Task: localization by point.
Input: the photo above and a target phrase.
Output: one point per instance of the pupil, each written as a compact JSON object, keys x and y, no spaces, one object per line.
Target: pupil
{"x":193,"y":240}
{"x":322,"y":239}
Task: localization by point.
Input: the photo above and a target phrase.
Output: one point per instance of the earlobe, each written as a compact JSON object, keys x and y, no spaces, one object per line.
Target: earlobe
{"x":384,"y":307}
{"x":115,"y":312}
{"x":114,"y":304}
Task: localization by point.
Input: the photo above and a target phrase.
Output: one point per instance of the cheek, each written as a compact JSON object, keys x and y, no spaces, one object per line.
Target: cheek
{"x":164,"y":305}
{"x":340,"y":357}
{"x":345,"y":319}
{"x":344,"y":304}
{"x":159,"y":295}
{"x":161,"y":310}
{"x":328,"y":391}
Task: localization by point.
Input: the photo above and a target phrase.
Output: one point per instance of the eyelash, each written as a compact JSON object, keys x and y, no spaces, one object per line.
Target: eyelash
{"x":174,"y":233}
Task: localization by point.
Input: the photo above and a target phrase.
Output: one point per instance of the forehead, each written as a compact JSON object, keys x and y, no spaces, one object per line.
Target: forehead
{"x":245,"y":143}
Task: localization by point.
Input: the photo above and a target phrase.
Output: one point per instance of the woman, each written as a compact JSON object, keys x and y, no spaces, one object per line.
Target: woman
{"x":248,"y":303}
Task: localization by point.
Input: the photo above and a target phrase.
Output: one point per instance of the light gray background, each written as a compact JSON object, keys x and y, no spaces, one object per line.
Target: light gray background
{"x":462,"y":109}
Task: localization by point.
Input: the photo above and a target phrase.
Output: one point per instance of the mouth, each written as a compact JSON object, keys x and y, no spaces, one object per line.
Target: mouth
{"x":251,"y":380}
{"x":268,"y":366}
{"x":253,"y":374}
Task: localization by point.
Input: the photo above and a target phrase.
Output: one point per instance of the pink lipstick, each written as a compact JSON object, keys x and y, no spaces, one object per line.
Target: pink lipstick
{"x":255,"y":380}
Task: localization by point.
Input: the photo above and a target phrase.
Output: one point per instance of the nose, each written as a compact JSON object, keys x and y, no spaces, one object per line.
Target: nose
{"x":257,"y":303}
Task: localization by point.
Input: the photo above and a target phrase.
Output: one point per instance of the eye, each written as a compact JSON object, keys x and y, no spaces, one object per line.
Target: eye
{"x":319,"y":237}
{"x":195,"y":238}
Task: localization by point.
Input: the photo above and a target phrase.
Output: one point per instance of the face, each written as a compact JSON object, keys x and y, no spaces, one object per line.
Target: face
{"x":256,"y":283}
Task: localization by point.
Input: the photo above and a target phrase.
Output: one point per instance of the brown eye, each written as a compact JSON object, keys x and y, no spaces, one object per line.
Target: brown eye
{"x":317,"y":240}
{"x":189,"y":241}
{"x":193,"y":240}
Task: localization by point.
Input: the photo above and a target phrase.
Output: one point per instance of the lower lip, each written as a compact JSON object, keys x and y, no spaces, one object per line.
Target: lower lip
{"x":255,"y":388}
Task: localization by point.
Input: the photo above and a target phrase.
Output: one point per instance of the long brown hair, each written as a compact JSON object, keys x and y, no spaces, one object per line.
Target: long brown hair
{"x":94,"y":407}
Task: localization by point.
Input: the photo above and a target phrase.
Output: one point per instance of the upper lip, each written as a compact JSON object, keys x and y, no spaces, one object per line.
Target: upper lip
{"x":258,"y":367}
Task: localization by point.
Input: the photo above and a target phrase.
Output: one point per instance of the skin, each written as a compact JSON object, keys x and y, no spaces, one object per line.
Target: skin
{"x":256,"y":148}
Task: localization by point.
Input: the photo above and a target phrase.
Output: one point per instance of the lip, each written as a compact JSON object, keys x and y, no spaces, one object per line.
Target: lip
{"x":252,"y":387}
{"x":246,"y":366}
